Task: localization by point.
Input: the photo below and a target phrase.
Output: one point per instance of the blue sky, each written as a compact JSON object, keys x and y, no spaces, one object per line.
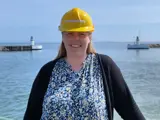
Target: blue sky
{"x":115,"y":20}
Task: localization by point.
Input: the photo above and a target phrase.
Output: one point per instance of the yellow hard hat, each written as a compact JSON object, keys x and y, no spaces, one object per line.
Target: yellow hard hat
{"x":76,"y":20}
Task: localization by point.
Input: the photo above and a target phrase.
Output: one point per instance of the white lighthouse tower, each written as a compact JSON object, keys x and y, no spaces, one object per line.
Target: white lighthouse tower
{"x":137,"y":40}
{"x":33,"y":46}
{"x":32,"y":41}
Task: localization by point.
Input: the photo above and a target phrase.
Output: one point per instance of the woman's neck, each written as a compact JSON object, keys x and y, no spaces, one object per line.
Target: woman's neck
{"x":76,"y":61}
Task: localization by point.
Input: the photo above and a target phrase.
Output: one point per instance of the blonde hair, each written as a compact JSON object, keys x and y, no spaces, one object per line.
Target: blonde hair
{"x":63,"y":53}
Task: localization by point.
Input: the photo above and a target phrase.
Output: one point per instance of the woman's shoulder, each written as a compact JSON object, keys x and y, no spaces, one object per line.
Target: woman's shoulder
{"x":48,"y":66}
{"x":105,"y":58}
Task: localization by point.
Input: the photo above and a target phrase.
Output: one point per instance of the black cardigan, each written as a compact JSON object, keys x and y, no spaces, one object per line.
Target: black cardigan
{"x":117,"y":93}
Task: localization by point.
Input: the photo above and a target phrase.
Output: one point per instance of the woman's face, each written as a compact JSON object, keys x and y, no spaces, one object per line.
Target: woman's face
{"x":76,"y":42}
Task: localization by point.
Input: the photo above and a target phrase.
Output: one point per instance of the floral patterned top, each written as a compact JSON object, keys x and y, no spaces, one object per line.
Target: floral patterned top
{"x":75,"y":95}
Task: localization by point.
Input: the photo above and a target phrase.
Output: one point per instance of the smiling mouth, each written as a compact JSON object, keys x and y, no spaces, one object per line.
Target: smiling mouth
{"x":75,"y":46}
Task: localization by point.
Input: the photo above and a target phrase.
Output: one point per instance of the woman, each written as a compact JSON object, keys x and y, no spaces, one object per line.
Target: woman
{"x":80,"y":84}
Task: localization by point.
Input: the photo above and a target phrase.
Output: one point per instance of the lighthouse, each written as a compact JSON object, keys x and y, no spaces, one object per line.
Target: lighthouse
{"x":32,"y":41}
{"x":29,"y":47}
{"x":137,"y":40}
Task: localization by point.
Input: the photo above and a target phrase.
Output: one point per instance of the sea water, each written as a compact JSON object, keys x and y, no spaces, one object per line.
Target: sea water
{"x":140,"y":68}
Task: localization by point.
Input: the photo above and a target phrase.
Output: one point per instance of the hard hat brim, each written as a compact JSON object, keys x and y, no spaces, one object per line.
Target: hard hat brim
{"x":80,"y":29}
